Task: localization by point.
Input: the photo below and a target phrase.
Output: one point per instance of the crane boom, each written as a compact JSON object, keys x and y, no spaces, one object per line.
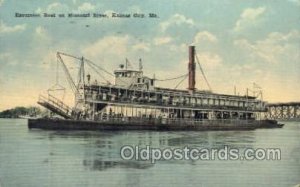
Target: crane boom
{"x":69,"y":77}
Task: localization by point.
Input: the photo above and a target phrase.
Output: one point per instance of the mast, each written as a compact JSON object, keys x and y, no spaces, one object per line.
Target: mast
{"x":82,"y":79}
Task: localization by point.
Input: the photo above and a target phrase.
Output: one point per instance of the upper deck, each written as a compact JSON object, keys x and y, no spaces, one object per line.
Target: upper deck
{"x":132,"y":87}
{"x":164,"y":97}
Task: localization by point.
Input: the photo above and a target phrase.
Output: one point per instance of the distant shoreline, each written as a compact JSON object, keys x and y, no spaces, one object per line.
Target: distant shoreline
{"x":22,"y":112}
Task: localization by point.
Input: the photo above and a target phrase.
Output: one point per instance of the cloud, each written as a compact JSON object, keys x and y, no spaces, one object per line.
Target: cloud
{"x":210,"y":60}
{"x":275,"y":87}
{"x":1,"y":2}
{"x":38,"y":10}
{"x":134,"y":9}
{"x":115,"y":47}
{"x":250,"y":17}
{"x":41,"y":35}
{"x":5,"y":29}
{"x":55,"y":7}
{"x":41,"y":31}
{"x":110,"y":51}
{"x":297,"y":2}
{"x":273,"y":49}
{"x":162,"y":40}
{"x":176,"y":19}
{"x":58,"y":7}
{"x":141,"y":46}
{"x":109,"y":45}
{"x":205,"y":36}
{"x":8,"y":58}
{"x":255,"y":50}
{"x":85,"y":7}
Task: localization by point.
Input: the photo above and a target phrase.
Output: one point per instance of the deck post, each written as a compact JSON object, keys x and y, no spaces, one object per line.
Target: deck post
{"x":93,"y":111}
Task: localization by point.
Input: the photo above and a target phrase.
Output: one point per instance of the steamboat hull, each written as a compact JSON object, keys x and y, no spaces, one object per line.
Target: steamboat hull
{"x":209,"y":125}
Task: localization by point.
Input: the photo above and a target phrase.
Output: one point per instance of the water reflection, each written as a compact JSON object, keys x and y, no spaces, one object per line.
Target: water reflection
{"x":100,"y":150}
{"x":87,"y":158}
{"x":103,"y":165}
{"x":234,"y":139}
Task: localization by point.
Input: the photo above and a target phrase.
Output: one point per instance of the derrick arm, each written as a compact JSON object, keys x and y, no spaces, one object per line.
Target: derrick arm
{"x":68,"y":75}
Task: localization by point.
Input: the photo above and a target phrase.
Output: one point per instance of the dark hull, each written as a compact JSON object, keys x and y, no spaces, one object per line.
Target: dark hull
{"x":62,"y":124}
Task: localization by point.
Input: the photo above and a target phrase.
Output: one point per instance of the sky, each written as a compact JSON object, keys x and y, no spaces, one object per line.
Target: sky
{"x":237,"y":42}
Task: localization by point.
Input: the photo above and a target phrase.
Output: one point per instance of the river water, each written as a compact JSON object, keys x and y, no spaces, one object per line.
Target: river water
{"x":84,"y":158}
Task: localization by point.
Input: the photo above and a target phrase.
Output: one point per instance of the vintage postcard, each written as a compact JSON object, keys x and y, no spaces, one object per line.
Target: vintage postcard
{"x":150,"y":93}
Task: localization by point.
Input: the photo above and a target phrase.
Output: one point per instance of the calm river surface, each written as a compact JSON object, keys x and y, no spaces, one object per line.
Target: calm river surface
{"x":82,"y":158}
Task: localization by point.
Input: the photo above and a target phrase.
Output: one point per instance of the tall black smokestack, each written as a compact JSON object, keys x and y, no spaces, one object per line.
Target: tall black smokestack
{"x":192,"y":67}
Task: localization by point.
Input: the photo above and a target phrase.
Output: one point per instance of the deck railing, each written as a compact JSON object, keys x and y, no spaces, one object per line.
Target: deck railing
{"x":56,"y":103}
{"x":176,"y":105}
{"x":170,"y":121}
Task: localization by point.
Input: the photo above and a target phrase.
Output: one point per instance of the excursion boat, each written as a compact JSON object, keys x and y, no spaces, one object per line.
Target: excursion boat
{"x":134,"y":102}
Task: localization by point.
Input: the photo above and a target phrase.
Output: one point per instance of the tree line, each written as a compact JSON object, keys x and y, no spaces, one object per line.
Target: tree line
{"x":22,"y":111}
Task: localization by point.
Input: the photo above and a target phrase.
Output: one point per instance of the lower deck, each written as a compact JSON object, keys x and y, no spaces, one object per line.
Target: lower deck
{"x":151,"y":124}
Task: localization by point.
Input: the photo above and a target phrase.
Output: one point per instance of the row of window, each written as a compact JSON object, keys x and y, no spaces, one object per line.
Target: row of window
{"x":141,"y":80}
{"x":134,"y":74}
{"x":127,"y":74}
